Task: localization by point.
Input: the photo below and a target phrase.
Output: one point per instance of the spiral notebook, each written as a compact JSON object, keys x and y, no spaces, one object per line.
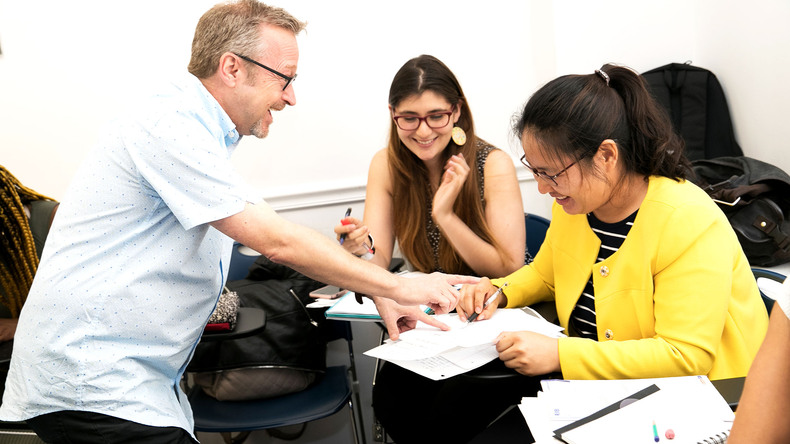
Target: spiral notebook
{"x":693,"y":411}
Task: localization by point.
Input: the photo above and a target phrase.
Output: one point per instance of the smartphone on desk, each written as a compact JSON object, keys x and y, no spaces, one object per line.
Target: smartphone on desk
{"x":328,"y":292}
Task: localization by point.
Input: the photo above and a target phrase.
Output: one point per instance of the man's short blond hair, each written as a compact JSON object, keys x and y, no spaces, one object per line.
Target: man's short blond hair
{"x":234,"y":27}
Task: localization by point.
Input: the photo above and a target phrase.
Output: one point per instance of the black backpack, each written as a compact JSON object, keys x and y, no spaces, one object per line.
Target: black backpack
{"x":698,"y":108}
{"x":755,"y":196}
{"x":287,"y":356}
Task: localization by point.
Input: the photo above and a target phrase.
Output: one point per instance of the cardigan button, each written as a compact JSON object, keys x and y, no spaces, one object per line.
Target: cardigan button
{"x":608,"y":334}
{"x":604,"y":270}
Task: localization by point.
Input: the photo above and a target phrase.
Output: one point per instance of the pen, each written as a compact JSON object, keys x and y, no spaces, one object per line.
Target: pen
{"x":343,"y":236}
{"x":487,"y":302}
{"x":655,"y":433}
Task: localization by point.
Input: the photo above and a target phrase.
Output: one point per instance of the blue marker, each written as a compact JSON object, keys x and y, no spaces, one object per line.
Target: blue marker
{"x":343,"y":236}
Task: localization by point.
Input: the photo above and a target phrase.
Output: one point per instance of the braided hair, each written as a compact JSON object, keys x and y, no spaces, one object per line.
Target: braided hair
{"x":18,"y":257}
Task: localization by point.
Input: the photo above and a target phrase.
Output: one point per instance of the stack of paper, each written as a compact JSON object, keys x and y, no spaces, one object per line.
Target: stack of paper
{"x":438,"y":354}
{"x":624,"y":411}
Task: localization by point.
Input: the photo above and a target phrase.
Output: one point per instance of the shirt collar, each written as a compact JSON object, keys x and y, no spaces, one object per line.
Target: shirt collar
{"x":232,"y":136}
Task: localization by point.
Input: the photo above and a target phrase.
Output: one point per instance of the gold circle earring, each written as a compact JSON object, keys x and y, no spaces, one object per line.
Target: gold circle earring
{"x":459,"y":135}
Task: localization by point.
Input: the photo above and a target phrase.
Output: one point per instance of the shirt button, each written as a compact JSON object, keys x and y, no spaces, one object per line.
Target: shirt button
{"x":608,"y":334}
{"x":604,"y":271}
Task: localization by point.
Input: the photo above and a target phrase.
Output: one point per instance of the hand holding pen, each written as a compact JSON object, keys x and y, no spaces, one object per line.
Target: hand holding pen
{"x":368,"y":247}
{"x":344,"y":221}
{"x":488,"y":302}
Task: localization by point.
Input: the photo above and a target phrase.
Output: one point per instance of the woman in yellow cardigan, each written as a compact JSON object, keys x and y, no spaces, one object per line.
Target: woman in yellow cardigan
{"x":648,"y":278}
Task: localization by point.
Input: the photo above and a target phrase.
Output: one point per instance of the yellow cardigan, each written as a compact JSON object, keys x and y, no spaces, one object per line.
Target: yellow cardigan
{"x":678,"y":298}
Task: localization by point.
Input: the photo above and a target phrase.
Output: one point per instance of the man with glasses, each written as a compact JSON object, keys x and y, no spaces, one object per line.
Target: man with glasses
{"x":139,"y":250}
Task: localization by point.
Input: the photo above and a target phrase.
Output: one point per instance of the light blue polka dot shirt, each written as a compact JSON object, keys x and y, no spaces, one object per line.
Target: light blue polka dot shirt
{"x":131,"y":269}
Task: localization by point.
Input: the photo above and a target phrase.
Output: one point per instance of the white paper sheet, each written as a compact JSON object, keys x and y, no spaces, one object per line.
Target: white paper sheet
{"x":451,"y":363}
{"x":438,"y":354}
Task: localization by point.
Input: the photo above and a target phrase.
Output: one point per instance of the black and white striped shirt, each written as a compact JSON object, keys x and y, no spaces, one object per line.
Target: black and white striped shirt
{"x":583,"y":319}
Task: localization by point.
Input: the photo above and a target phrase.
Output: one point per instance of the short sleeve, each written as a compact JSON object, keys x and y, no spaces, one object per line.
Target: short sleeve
{"x":192,"y":172}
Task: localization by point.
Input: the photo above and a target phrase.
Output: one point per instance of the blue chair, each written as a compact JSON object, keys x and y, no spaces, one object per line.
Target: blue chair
{"x":536,"y":232}
{"x":241,"y":260}
{"x":761,"y":273}
{"x":336,"y":389}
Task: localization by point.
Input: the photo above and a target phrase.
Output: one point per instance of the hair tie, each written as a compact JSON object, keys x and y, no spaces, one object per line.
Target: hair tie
{"x":603,"y":75}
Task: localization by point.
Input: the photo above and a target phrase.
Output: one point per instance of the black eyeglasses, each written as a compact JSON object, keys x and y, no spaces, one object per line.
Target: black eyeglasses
{"x":408,"y":122}
{"x":288,"y":79}
{"x":544,"y":176}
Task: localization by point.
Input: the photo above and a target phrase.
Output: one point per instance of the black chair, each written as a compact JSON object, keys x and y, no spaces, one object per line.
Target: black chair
{"x":17,"y":433}
{"x":337,"y":388}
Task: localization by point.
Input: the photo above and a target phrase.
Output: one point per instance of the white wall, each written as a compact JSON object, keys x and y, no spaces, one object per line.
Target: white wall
{"x":69,"y":67}
{"x":68,"y":70}
{"x":746,"y":44}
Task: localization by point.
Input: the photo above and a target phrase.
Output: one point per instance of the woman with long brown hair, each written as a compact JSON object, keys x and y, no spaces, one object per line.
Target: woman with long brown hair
{"x":449,"y":199}
{"x":452,"y":202}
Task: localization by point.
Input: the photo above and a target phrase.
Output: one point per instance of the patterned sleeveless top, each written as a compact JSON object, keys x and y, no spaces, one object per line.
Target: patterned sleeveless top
{"x":434,"y":235}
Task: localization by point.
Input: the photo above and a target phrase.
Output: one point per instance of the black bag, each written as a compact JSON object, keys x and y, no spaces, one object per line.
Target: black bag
{"x":286,"y":357}
{"x":755,"y":196}
{"x":698,"y":108}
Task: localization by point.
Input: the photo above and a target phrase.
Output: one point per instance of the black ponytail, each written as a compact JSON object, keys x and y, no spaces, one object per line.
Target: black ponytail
{"x":655,"y":148}
{"x":571,"y":115}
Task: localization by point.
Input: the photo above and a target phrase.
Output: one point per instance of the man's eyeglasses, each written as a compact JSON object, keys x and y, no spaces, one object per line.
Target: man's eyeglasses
{"x":288,"y":79}
{"x":543,"y":175}
{"x":408,"y":122}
